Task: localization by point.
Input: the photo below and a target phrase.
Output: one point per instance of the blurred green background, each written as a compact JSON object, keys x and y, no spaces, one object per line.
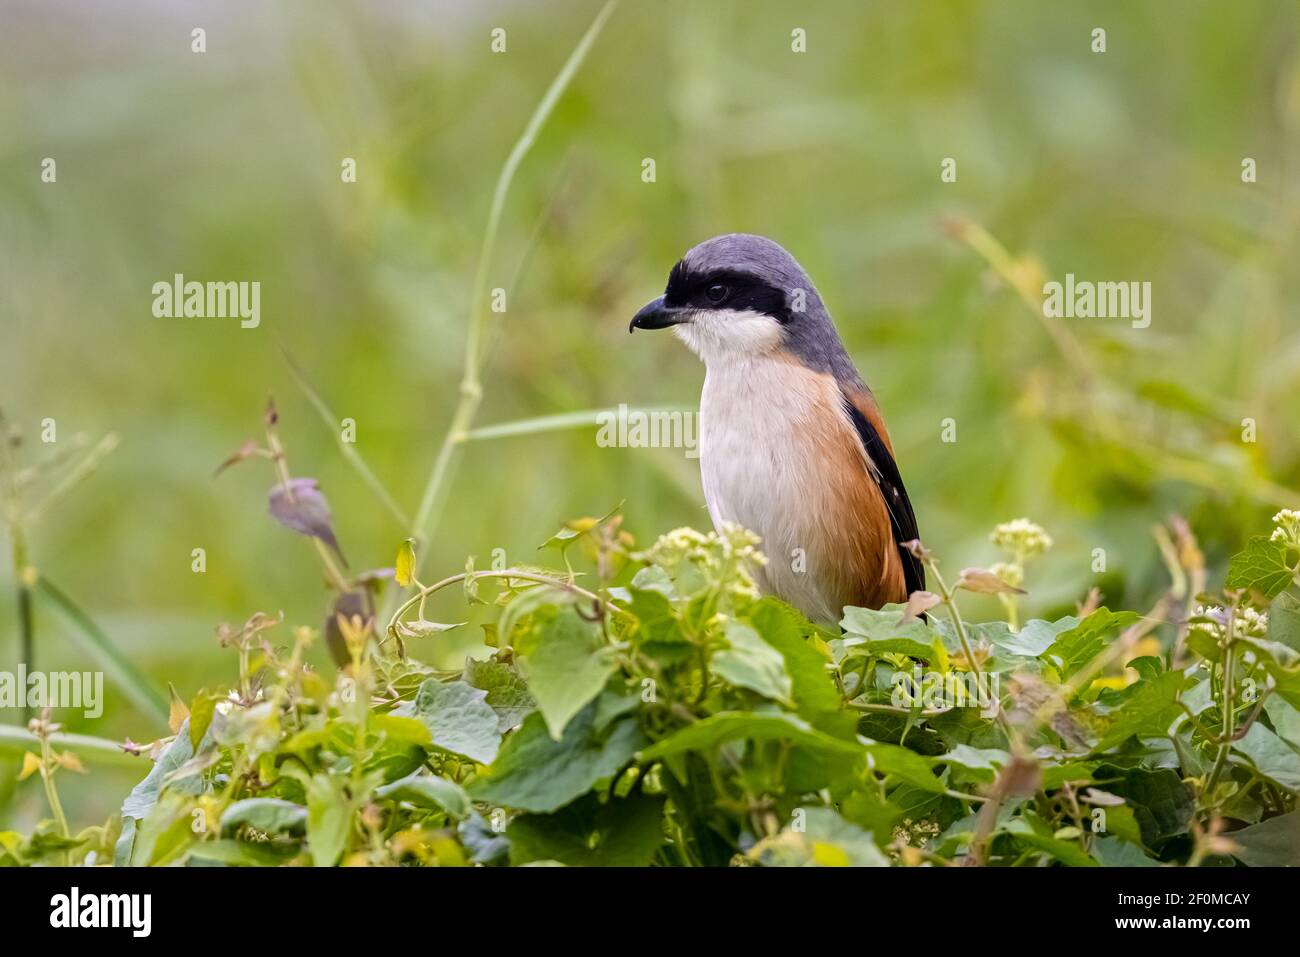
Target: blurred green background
{"x":225,"y":166}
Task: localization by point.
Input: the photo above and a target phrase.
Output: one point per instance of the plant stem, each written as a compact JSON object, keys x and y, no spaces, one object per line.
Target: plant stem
{"x":426,"y":590}
{"x":1229,"y":719}
{"x":97,"y":644}
{"x":958,"y":625}
{"x":349,"y":451}
{"x":17,"y":740}
{"x":26,"y":621}
{"x":471,"y":388}
{"x":1021,"y":282}
{"x":48,"y":764}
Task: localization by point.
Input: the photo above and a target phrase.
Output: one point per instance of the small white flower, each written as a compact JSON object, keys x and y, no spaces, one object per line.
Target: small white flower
{"x":1021,"y":537}
{"x":1009,"y":572}
{"x":1288,"y":527}
{"x":1249,"y":622}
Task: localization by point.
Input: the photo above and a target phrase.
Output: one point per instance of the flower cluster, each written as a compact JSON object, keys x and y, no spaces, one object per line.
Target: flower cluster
{"x":910,"y":833}
{"x":725,"y":558}
{"x":1250,"y":623}
{"x":1022,"y":538}
{"x":709,"y":550}
{"x":1010,"y":572}
{"x":1288,"y":527}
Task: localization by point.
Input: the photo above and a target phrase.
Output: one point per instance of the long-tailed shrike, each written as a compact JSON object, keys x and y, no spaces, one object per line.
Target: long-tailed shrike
{"x":792,"y":442}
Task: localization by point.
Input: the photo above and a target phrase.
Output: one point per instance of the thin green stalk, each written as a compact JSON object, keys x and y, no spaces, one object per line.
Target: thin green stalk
{"x":550,"y":423}
{"x":1229,"y":719}
{"x":471,"y":387}
{"x":424,"y":591}
{"x":99,"y":646}
{"x":958,"y":625}
{"x":83,"y":468}
{"x":48,"y":765}
{"x":26,"y":621}
{"x":1015,"y":276}
{"x":947,"y":594}
{"x":16,"y":740}
{"x":350,"y":453}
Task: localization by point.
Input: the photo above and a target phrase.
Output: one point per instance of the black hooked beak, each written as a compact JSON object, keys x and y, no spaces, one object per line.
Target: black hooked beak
{"x":656,"y":315}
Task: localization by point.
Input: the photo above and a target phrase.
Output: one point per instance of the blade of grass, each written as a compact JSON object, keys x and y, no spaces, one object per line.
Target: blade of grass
{"x":552,"y":423}
{"x":349,"y":452}
{"x":1025,"y":279}
{"x":83,"y":468}
{"x":16,"y":740}
{"x":92,"y":640}
{"x":471,"y":387}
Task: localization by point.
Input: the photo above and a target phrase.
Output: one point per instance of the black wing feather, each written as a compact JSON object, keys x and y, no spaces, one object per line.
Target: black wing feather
{"x":901,"y":517}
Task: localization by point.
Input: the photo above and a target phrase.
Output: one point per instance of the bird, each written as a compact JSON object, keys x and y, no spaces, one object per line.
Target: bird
{"x":792,"y":443}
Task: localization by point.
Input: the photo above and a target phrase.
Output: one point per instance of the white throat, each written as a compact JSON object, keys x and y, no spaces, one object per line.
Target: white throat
{"x":721,"y":336}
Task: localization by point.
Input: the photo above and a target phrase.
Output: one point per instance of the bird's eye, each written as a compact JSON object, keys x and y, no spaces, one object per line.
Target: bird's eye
{"x":716,"y":293}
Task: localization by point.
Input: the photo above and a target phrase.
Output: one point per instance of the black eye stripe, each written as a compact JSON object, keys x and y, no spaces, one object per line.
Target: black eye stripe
{"x":686,"y":287}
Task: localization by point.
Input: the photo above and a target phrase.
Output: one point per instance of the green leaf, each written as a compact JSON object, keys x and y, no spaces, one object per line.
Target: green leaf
{"x":1148,"y":710}
{"x":591,"y":833}
{"x":423,"y":629}
{"x":164,"y":834}
{"x":614,"y":702}
{"x":1271,"y":843}
{"x":233,"y":853}
{"x":458,"y":717}
{"x":562,"y":539}
{"x":880,"y":632}
{"x":905,"y":766}
{"x":329,"y":814}
{"x":981,"y":764}
{"x":144,"y":795}
{"x":750,"y":662}
{"x":1271,"y":756}
{"x":1285,"y":718}
{"x":818,"y":837}
{"x":866,"y":808}
{"x":1077,"y":646}
{"x":1080,"y":772}
{"x":404,"y":566}
{"x":1284,"y":618}
{"x":1282,"y":664}
{"x":1120,"y":821}
{"x":717,"y":729}
{"x":883,"y":627}
{"x":397,"y":729}
{"x":1035,"y":637}
{"x":653,"y":608}
{"x":485,"y":845}
{"x":1037,"y":833}
{"x":202,"y":710}
{"x":1117,"y":852}
{"x":429,"y":791}
{"x":269,"y":815}
{"x":507,"y":694}
{"x":565,"y":662}
{"x":534,"y":772}
{"x":783,"y":628}
{"x":1160,"y":800}
{"x":1262,"y":566}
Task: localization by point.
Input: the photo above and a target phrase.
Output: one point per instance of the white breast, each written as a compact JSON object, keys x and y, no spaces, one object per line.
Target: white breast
{"x":760,"y":416}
